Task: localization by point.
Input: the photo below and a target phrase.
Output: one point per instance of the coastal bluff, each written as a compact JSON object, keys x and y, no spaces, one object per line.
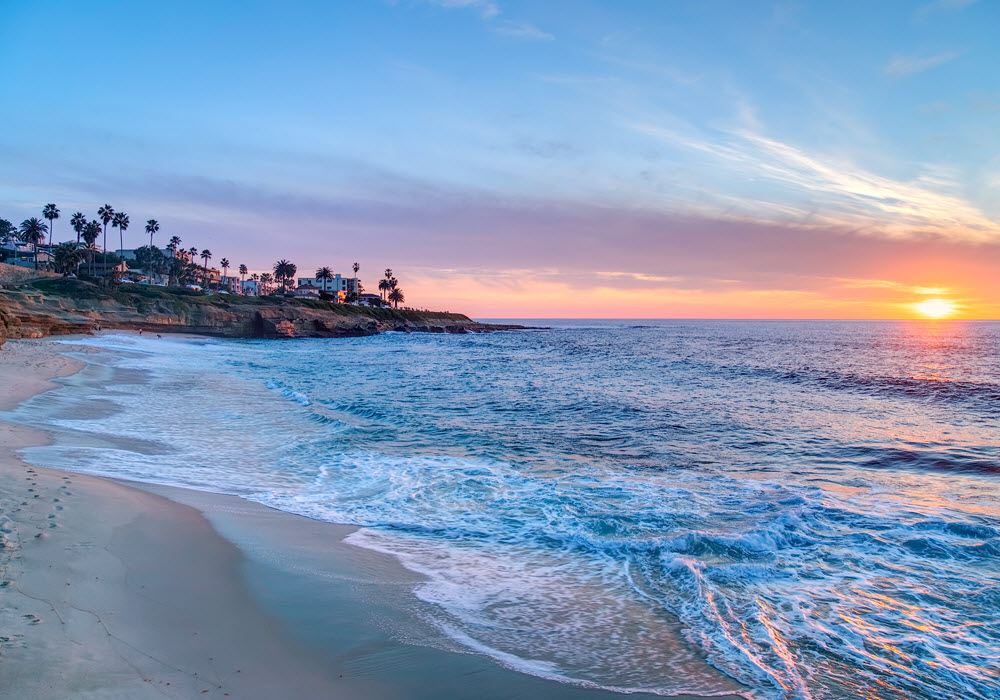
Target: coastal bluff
{"x":40,"y":307}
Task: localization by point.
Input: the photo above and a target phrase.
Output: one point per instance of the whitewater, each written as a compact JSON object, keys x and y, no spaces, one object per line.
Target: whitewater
{"x":813,"y":508}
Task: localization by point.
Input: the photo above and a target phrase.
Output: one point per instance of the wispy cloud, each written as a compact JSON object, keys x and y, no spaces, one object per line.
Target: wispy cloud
{"x":900,"y":66}
{"x":943,"y":6}
{"x":637,"y":276}
{"x":890,"y":285}
{"x":846,"y":194}
{"x":523,"y":30}
{"x":653,"y":68}
{"x":546,"y":148}
{"x":488,"y":8}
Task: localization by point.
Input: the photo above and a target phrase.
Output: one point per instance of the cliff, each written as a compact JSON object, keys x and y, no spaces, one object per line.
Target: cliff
{"x":37,"y":308}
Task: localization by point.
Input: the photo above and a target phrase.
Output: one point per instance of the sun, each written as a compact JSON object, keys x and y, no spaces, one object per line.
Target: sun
{"x":935,"y":308}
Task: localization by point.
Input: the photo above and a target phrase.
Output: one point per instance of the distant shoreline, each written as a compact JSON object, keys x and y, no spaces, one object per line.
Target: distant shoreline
{"x":38,"y":308}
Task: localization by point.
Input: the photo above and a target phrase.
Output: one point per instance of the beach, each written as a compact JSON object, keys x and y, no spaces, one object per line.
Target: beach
{"x":113,"y":589}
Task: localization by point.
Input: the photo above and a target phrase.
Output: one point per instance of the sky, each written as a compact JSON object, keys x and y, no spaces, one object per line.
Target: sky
{"x":518,"y":159}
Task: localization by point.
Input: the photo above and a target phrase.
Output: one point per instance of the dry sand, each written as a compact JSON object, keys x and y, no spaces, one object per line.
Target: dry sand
{"x":111,"y":592}
{"x":115,"y":590}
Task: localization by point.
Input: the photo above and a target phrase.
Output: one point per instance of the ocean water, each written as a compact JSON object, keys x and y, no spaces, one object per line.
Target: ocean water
{"x":812,"y":508}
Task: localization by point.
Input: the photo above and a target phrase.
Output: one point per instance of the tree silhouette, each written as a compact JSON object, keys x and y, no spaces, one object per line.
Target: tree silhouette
{"x":91,"y":230}
{"x":106,"y":214}
{"x":66,"y":257}
{"x":284,"y":271}
{"x":50,"y":212}
{"x":120,"y":220}
{"x":323,"y":274}
{"x":78,"y":221}
{"x":206,"y":255}
{"x":8,"y":234}
{"x":152,"y":226}
{"x":33,"y":232}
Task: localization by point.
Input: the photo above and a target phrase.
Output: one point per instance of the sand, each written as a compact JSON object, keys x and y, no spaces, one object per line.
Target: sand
{"x":118,"y":590}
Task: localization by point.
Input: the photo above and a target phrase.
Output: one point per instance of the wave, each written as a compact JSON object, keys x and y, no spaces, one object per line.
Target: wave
{"x":930,"y":460}
{"x":981,"y":396}
{"x":604,"y":518}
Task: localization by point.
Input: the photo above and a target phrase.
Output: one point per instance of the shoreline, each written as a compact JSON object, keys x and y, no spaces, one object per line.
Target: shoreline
{"x":136,"y":590}
{"x":38,"y":307}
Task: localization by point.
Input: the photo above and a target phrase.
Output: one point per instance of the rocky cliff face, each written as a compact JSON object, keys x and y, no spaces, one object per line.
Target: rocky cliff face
{"x":57,"y":307}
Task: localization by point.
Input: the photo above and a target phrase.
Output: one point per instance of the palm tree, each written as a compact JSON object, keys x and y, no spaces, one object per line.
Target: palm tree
{"x":192,"y":253}
{"x":171,"y":263}
{"x":224,"y":264}
{"x":78,"y":221}
{"x":265,"y":282}
{"x":91,"y":231}
{"x":383,"y":284}
{"x":50,"y":212}
{"x":66,"y":257}
{"x":7,"y":232}
{"x":152,"y":226}
{"x":206,"y":255}
{"x":243,"y":276}
{"x":323,"y":274}
{"x":33,"y":232}
{"x":284,"y":271}
{"x":106,"y":214}
{"x":121,"y":221}
{"x":396,"y":297}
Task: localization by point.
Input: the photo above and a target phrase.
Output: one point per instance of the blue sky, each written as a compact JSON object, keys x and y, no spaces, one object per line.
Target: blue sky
{"x":530,"y":156}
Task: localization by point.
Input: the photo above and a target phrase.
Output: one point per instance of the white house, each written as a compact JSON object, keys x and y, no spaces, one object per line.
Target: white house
{"x":23,"y":254}
{"x":370,"y":300}
{"x":230,"y":284}
{"x":332,"y":285}
{"x":251,"y":288}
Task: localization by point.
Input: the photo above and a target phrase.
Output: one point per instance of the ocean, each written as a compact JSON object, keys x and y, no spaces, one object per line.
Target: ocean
{"x":812,"y":507}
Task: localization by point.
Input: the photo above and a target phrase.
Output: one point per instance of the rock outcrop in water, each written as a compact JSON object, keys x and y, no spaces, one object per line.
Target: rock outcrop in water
{"x":42,"y":307}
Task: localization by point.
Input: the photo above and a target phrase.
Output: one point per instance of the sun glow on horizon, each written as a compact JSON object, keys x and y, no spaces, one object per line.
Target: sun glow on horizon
{"x":935,"y":308}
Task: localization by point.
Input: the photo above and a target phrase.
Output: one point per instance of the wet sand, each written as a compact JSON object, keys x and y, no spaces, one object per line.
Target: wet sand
{"x":118,"y":590}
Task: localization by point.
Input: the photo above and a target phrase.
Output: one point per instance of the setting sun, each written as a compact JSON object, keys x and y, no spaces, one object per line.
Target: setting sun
{"x":935,"y":308}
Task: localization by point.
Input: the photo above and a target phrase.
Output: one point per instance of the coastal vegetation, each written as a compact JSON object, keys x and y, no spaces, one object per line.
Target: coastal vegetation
{"x":38,"y":304}
{"x":33,"y":232}
{"x":173,"y":266}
